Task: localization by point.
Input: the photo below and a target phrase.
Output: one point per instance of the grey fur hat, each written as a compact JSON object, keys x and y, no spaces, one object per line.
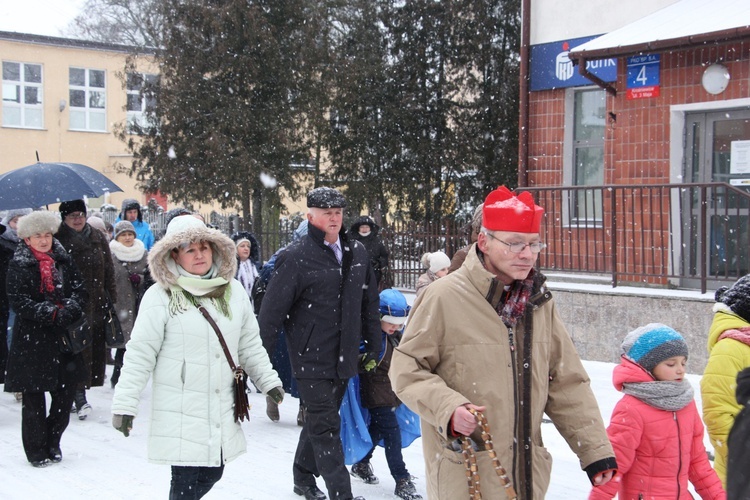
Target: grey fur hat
{"x":38,"y":223}
{"x":12,"y":214}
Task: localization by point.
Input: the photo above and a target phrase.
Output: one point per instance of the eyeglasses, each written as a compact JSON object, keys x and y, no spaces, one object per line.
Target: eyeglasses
{"x":520,"y":247}
{"x":77,"y":215}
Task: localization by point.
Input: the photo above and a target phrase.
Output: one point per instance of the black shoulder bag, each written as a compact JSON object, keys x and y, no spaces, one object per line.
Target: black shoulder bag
{"x":241,"y":406}
{"x":76,"y":337}
{"x":113,"y":335}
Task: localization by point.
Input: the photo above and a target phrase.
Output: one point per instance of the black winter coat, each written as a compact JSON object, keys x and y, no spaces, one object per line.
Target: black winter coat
{"x":375,"y":387}
{"x":7,"y":249}
{"x":326,"y":309}
{"x":375,"y":248}
{"x":93,"y":258}
{"x":34,"y":361}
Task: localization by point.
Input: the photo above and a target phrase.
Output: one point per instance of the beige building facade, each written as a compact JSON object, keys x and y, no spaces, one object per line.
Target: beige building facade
{"x":62,"y":100}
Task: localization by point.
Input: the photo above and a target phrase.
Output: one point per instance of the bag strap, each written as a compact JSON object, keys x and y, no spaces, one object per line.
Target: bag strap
{"x":218,"y":334}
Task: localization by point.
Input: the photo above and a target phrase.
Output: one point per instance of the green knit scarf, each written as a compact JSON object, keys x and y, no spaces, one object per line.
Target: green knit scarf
{"x":191,"y":290}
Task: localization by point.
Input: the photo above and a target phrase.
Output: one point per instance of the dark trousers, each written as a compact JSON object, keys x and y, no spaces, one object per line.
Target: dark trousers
{"x":319,"y":451}
{"x":193,"y":482}
{"x":40,"y":431}
{"x":384,"y":425}
{"x":95,"y":356}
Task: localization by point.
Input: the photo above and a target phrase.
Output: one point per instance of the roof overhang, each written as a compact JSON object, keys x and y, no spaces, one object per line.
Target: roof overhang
{"x":684,"y":24}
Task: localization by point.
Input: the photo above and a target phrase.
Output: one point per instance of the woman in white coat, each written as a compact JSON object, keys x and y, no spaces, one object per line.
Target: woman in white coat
{"x":192,"y":419}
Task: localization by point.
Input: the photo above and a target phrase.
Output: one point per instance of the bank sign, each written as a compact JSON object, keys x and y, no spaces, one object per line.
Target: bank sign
{"x":551,"y":68}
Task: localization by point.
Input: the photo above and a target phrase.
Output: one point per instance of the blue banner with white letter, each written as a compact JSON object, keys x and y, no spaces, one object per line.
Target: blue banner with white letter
{"x":551,"y":68}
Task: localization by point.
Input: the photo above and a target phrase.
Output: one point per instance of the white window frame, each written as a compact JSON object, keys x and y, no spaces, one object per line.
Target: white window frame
{"x":25,"y":110}
{"x":141,"y":117}
{"x":570,"y":150}
{"x":89,"y":112}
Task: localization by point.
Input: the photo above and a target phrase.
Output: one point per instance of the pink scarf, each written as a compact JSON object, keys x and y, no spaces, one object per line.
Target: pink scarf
{"x":738,"y":334}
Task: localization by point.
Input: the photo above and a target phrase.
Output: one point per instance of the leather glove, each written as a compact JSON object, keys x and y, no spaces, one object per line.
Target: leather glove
{"x":135,"y":278}
{"x":277,"y":394}
{"x":368,"y":361}
{"x":123,"y":423}
{"x":64,"y":317}
{"x":73,"y":308}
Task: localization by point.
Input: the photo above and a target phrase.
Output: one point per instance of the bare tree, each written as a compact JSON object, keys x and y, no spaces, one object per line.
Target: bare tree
{"x":129,"y":22}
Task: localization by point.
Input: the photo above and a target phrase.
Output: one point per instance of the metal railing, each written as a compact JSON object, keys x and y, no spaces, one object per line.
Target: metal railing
{"x":666,"y":235}
{"x":681,"y":235}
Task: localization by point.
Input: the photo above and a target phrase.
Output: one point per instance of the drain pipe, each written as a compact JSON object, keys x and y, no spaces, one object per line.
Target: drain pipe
{"x":584,"y":72}
{"x":523,"y":102}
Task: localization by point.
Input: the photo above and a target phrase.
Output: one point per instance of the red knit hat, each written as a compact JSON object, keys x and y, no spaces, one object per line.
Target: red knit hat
{"x":503,"y":211}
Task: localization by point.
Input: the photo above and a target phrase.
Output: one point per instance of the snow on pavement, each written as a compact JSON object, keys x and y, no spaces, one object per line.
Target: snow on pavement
{"x":99,"y":461}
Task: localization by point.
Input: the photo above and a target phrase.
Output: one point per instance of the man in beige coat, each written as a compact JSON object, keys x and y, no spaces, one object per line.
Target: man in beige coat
{"x":488,"y":337}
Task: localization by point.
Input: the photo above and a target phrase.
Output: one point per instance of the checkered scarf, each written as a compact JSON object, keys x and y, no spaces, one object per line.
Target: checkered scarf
{"x":513,"y":306}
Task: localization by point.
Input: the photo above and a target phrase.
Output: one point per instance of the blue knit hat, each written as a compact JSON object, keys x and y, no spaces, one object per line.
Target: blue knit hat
{"x":651,"y":344}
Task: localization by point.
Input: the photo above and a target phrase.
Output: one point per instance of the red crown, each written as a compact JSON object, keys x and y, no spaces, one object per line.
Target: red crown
{"x":503,"y":211}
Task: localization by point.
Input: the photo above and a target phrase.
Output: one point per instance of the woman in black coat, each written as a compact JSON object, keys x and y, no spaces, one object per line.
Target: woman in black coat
{"x":366,"y":232}
{"x":46,"y":291}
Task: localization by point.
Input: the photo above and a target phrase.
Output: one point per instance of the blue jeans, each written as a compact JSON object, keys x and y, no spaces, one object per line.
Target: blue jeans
{"x":383,"y":425}
{"x":193,"y":482}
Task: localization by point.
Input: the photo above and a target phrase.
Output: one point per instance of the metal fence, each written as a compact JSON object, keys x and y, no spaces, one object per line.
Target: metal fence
{"x":677,"y":235}
{"x":406,"y":243}
{"x":226,"y":222}
{"x":665,"y":235}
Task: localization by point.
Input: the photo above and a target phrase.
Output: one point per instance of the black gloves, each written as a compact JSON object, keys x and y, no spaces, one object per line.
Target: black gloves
{"x":368,"y":361}
{"x":277,"y":394}
{"x":68,"y":314}
{"x":123,"y":423}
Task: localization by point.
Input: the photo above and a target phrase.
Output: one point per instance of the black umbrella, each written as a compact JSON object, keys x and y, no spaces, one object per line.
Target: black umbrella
{"x":44,"y":183}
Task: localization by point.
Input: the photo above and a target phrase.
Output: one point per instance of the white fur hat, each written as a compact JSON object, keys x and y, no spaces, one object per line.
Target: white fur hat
{"x":38,"y":223}
{"x":179,"y":224}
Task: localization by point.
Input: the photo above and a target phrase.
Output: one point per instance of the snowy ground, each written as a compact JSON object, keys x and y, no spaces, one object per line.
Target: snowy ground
{"x":100,"y":462}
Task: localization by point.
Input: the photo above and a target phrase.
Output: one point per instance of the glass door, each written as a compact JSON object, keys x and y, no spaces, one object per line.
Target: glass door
{"x":711,"y":138}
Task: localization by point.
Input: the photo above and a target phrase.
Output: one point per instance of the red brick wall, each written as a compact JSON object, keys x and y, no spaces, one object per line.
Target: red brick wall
{"x":636,"y":151}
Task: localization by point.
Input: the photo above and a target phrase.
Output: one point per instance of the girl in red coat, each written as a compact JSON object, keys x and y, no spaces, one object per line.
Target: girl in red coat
{"x":655,"y":428}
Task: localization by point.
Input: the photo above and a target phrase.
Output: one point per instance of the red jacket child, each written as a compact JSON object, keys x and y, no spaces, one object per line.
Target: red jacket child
{"x":655,"y":429}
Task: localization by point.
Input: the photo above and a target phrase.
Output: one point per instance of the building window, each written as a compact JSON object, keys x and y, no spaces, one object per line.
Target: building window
{"x":22,"y":95}
{"x":587,"y":153}
{"x":141,"y":101}
{"x":88,"y":99}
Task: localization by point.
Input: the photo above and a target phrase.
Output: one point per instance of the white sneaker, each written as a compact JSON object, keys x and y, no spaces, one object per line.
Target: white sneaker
{"x":84,"y":411}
